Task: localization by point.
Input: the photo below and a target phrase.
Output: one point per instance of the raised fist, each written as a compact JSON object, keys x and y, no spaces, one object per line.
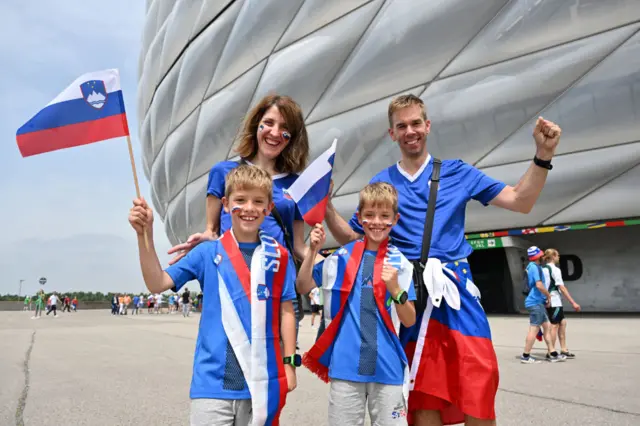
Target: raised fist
{"x":547,"y":136}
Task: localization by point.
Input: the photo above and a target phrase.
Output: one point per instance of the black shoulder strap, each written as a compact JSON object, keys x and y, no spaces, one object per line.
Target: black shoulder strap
{"x":288,"y":241}
{"x":431,"y":211}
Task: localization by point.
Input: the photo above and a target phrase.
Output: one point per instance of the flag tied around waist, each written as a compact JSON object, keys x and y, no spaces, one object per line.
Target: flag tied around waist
{"x":91,"y":109}
{"x":311,"y":190}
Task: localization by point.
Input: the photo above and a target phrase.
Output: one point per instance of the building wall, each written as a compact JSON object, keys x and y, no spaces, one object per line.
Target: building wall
{"x":486,"y":69}
{"x":610,"y":280}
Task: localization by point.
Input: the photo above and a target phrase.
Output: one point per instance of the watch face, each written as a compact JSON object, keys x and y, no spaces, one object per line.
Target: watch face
{"x":403,"y":297}
{"x":297,"y":360}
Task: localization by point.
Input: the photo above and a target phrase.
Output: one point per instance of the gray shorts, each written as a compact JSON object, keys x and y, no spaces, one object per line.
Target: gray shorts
{"x":220,"y":412}
{"x":347,"y":402}
{"x":537,"y":315}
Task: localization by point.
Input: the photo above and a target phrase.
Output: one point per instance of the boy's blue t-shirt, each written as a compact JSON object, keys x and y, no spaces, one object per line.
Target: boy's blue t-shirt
{"x":286,"y":207}
{"x":364,"y":334}
{"x":459,"y":183}
{"x":216,"y":371}
{"x":534,"y":272}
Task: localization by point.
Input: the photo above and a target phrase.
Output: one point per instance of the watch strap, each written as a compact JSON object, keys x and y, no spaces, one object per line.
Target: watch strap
{"x":545,"y":164}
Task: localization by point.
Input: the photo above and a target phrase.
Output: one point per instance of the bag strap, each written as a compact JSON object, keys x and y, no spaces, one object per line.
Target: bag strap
{"x":431,"y":211}
{"x":288,"y":240}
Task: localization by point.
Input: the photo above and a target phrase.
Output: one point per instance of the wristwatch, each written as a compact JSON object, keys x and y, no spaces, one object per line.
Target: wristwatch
{"x":545,"y":164}
{"x":294,"y":360}
{"x":401,"y":298}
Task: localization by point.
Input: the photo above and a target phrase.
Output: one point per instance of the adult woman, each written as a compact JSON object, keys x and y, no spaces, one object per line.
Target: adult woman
{"x":555,"y":312}
{"x":274,"y":137}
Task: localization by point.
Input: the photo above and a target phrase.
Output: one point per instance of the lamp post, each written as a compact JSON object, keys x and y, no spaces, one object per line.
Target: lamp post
{"x":20,"y":289}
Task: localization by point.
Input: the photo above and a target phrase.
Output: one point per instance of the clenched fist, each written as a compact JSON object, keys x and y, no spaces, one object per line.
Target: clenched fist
{"x":141,"y":216}
{"x":390,"y":278}
{"x":317,"y":237}
{"x":547,"y":136}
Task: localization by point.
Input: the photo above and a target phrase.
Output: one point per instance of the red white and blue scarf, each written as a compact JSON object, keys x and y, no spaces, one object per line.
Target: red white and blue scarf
{"x":255,"y":338}
{"x":339,"y":273}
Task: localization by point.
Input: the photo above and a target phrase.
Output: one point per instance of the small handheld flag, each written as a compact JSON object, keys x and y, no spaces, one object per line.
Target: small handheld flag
{"x":311,"y":190}
{"x":91,"y":109}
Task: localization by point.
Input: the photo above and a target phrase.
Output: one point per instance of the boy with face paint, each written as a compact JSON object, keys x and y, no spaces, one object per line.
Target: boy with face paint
{"x":368,"y":292}
{"x":244,"y":362}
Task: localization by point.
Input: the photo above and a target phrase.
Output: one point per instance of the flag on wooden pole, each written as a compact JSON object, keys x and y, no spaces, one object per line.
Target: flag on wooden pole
{"x":89,"y":110}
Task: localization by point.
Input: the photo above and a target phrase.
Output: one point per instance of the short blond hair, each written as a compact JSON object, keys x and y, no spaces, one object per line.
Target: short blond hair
{"x":245,"y":177}
{"x":404,"y":101}
{"x":549,"y":254}
{"x":379,"y":194}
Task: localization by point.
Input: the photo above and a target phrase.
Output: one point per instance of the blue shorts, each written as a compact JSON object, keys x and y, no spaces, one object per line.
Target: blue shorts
{"x":537,"y":315}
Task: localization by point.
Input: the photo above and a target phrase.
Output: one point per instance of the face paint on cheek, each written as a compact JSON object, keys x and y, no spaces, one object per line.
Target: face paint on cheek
{"x":365,"y":222}
{"x":264,"y":212}
{"x":286,"y":136}
{"x":389,"y":224}
{"x":261,"y":127}
{"x":236,"y":209}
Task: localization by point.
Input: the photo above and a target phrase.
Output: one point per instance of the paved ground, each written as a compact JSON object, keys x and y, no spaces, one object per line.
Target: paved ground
{"x":90,"y":368}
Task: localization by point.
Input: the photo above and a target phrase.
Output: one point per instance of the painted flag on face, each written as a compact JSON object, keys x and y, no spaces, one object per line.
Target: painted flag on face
{"x":89,"y":110}
{"x":311,"y":190}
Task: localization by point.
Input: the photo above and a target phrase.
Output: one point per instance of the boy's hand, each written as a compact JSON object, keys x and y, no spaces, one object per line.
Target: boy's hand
{"x":317,"y":237}
{"x":577,"y":307}
{"x":292,"y":380}
{"x":390,"y":278}
{"x":141,"y":216}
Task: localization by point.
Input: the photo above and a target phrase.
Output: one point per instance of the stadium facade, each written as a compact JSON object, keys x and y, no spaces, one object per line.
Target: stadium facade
{"x":486,"y":69}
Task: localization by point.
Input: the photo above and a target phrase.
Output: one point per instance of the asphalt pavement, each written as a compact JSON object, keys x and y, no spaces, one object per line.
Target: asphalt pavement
{"x":90,"y":368}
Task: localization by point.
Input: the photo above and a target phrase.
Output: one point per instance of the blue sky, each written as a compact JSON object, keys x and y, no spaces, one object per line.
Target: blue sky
{"x":64,"y":213}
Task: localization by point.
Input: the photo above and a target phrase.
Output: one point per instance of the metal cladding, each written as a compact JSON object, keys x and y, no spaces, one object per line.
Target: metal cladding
{"x":486,"y":70}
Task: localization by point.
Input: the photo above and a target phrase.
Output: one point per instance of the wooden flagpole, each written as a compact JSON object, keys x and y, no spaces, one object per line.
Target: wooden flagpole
{"x":135,"y":180}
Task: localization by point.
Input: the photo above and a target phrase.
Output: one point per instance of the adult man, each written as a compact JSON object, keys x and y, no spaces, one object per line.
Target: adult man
{"x":536,"y":302}
{"x":464,"y":386}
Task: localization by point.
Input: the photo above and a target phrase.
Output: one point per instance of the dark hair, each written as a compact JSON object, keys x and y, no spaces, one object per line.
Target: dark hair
{"x":295,"y":155}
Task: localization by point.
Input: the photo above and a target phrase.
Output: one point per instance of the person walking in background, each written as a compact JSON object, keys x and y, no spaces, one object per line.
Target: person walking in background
{"x":27,"y":303}
{"x":555,"y":312}
{"x":74,"y":304}
{"x":114,"y":305}
{"x":39,"y":305}
{"x":186,"y":303}
{"x":536,"y":301}
{"x":314,"y":297}
{"x":53,"y":305}
{"x":127,"y":302}
{"x":136,"y":301}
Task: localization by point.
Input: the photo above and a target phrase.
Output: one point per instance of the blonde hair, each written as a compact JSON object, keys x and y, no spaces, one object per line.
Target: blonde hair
{"x":294,"y":157}
{"x":549,"y":255}
{"x":404,"y":101}
{"x":248,"y":177}
{"x":379,"y":194}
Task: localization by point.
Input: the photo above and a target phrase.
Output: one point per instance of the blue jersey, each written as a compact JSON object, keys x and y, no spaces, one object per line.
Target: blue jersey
{"x":216,"y":371}
{"x":363,"y":332}
{"x":534,"y":273}
{"x":459,"y":183}
{"x":286,"y":207}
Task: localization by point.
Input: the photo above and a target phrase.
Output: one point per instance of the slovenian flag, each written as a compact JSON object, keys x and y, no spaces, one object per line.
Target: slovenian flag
{"x":90,"y":110}
{"x":311,"y":190}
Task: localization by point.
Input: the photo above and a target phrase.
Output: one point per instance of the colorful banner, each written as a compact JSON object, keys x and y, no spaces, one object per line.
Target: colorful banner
{"x":490,"y":240}
{"x":556,"y":228}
